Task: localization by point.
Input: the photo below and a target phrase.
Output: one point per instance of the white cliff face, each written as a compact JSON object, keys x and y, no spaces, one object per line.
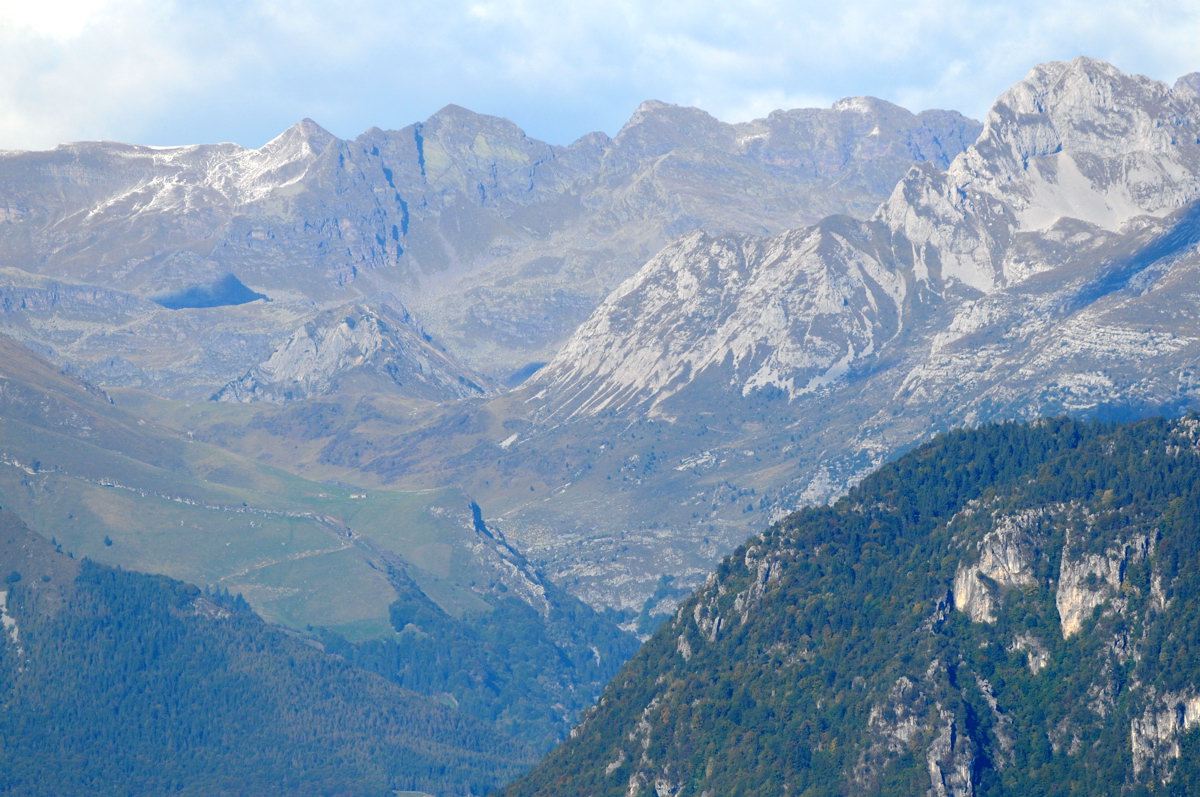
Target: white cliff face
{"x":1006,"y":556}
{"x":766,"y":571}
{"x":1091,"y":580}
{"x":1083,"y":585}
{"x":1154,"y":736}
{"x":8,"y":621}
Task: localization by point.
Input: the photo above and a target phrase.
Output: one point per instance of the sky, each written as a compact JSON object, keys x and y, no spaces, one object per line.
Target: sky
{"x":166,"y":72}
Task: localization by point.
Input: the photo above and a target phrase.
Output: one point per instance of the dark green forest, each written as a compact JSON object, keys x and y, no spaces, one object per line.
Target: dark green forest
{"x":827,"y":656}
{"x":120,"y":682}
{"x":529,"y":675}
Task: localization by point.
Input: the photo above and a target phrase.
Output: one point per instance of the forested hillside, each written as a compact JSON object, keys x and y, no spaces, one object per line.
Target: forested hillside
{"x":118,"y":682}
{"x":1011,"y":610}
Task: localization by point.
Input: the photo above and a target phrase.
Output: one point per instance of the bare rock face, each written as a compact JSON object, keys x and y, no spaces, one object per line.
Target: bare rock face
{"x":355,"y":348}
{"x":1076,"y":140}
{"x":762,"y":314}
{"x":1084,"y":585}
{"x":1005,"y":560}
{"x":1154,"y":736}
{"x":950,"y":759}
{"x":1092,"y":580}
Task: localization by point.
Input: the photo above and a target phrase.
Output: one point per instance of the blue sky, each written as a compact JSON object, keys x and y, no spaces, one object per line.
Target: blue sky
{"x":189,"y":71}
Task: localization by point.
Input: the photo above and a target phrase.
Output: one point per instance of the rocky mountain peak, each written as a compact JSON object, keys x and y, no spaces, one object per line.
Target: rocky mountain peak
{"x":457,"y":152}
{"x":1085,"y":105}
{"x":454,"y":120}
{"x":355,"y":346}
{"x":1187,"y":87}
{"x":306,"y":135}
{"x":1075,"y":140}
{"x":658,"y":127}
{"x":866,"y":105}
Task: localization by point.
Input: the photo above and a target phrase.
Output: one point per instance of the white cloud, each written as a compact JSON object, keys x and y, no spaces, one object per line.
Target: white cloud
{"x":173,"y":71}
{"x":54,"y":20}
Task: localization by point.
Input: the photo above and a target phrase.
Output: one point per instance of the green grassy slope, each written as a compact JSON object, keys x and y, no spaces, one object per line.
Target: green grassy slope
{"x":107,"y":484}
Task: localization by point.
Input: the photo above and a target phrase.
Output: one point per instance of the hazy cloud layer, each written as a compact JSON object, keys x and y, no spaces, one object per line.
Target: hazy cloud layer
{"x":174,"y":71}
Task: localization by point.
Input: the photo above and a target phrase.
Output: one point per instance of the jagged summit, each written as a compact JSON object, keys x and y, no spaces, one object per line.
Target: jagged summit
{"x":501,"y":244}
{"x":1187,"y":86}
{"x":451,"y":113}
{"x":456,"y":123}
{"x":357,"y":347}
{"x":657,"y":127}
{"x":305,"y":133}
{"x":1088,"y":105}
{"x":1075,"y":140}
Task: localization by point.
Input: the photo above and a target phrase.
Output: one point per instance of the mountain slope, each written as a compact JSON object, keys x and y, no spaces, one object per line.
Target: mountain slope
{"x":104,"y":484}
{"x":788,"y":313}
{"x":1002,"y":611}
{"x":120,"y":681}
{"x":499,"y":244}
{"x":355,"y":349}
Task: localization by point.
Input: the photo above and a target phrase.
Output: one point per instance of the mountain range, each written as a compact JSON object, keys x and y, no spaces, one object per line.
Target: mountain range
{"x":501,"y":244}
{"x":1048,"y":268}
{"x":462,"y":379}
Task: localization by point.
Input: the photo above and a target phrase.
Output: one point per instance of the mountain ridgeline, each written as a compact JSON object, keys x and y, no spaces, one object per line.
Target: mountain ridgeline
{"x":499,"y":243}
{"x":1009,"y":610}
{"x":462,"y":410}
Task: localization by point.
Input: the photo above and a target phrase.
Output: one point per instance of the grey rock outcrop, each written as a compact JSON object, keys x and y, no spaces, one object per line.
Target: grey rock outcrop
{"x":1006,"y":557}
{"x":1154,"y":736}
{"x":355,"y":349}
